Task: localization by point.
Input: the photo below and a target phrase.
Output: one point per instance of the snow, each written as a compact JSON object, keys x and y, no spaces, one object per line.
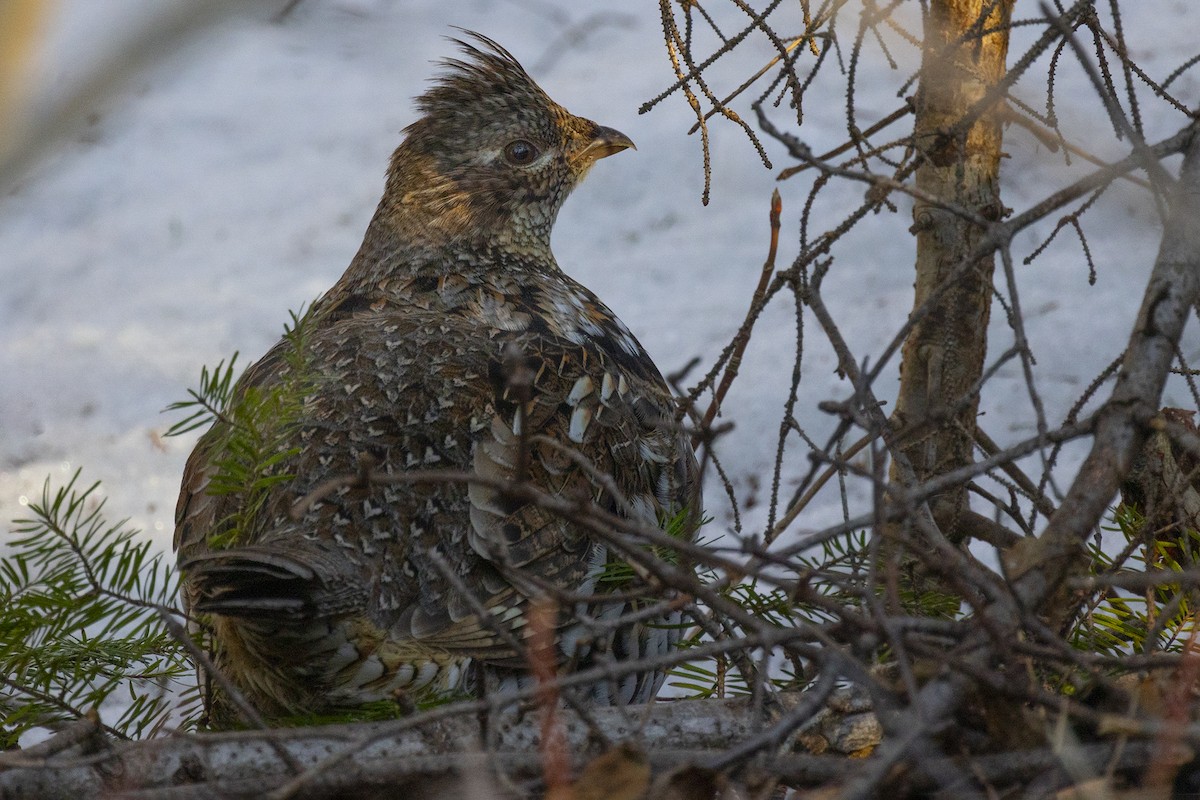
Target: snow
{"x":231,"y":180}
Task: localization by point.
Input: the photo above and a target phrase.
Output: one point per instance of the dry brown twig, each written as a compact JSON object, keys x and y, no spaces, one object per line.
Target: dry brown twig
{"x":742,"y":338}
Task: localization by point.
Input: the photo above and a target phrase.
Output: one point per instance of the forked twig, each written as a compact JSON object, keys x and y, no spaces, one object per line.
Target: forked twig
{"x":898,"y":114}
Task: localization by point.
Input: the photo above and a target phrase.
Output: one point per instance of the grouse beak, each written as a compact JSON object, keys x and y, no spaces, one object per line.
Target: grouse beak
{"x":604,"y":142}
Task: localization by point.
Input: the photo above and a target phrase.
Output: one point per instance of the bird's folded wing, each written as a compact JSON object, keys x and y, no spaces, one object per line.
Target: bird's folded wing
{"x":434,"y":391}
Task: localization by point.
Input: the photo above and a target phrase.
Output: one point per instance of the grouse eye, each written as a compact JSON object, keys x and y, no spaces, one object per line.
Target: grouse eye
{"x":520,"y":153}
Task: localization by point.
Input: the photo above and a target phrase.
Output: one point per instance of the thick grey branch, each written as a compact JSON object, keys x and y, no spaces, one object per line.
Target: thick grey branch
{"x":420,"y":757}
{"x":1121,"y":425}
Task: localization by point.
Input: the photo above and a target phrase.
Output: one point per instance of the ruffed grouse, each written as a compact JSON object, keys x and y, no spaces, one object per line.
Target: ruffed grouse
{"x":453,"y":341}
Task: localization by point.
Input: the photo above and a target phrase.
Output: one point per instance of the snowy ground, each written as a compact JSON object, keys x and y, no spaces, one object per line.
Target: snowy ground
{"x":232,"y":182}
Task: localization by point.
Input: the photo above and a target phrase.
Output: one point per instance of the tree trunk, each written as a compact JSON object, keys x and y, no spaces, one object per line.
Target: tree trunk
{"x":943,"y":357}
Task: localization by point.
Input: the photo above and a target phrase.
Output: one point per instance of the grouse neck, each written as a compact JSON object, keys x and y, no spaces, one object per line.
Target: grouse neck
{"x":403,"y":273}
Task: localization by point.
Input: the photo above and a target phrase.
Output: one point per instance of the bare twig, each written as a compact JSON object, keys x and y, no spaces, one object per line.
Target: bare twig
{"x":742,"y":338}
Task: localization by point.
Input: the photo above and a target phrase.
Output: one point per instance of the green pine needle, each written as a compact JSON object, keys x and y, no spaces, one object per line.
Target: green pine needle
{"x":250,"y":426}
{"x":81,"y":625}
{"x":1161,"y":619}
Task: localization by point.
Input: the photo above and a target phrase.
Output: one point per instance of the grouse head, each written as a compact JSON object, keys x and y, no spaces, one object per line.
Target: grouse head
{"x":491,"y":159}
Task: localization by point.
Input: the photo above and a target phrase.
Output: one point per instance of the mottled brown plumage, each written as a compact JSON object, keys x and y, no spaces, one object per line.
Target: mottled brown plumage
{"x":407,"y":363}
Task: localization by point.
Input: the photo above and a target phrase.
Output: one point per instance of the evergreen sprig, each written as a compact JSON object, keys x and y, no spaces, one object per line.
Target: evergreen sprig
{"x":208,"y":403}
{"x":838,"y":566}
{"x":250,"y":426}
{"x":1161,"y":618}
{"x":81,"y":628}
{"x":619,"y":573}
